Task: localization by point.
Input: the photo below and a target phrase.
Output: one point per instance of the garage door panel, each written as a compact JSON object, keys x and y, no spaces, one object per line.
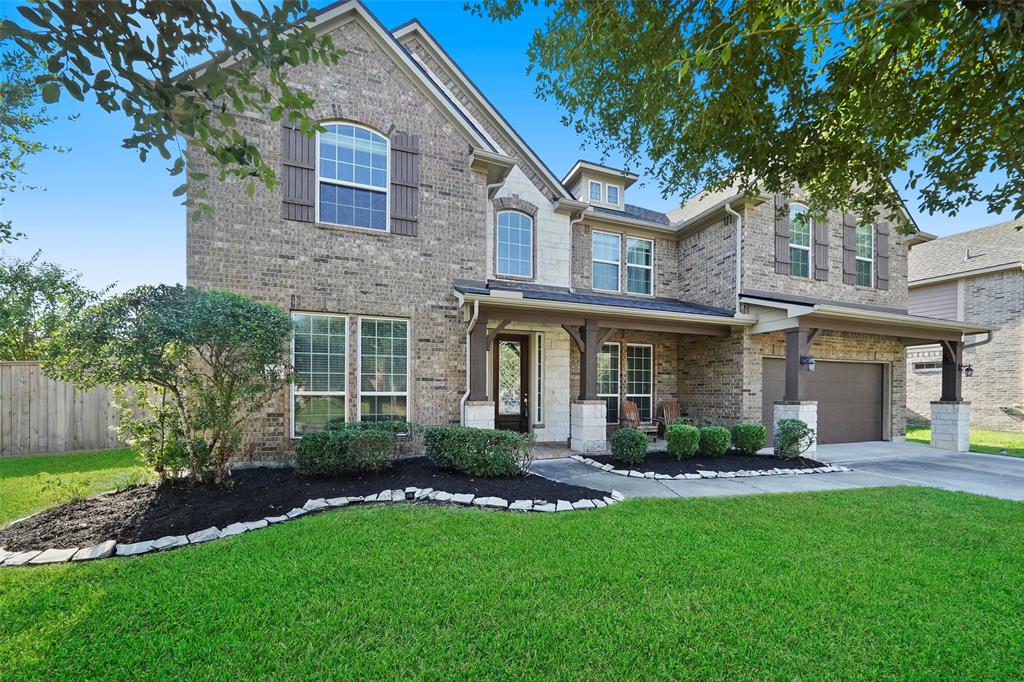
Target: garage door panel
{"x":849,"y":396}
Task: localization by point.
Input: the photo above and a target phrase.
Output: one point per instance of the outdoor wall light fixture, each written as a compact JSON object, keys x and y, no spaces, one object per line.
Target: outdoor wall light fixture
{"x":968,"y":370}
{"x":808,"y":361}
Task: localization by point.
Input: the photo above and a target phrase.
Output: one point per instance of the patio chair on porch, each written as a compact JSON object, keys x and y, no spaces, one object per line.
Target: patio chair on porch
{"x":669,"y":413}
{"x":631,"y":419}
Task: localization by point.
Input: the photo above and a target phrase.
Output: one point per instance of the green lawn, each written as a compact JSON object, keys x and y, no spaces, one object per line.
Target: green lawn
{"x":992,"y":442}
{"x":903,"y":582}
{"x":23,"y":479}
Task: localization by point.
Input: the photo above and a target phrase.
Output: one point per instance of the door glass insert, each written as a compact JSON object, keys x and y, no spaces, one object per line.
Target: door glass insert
{"x":510,"y":377}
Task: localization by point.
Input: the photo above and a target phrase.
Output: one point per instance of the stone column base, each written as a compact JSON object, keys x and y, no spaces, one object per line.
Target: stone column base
{"x":589,"y":432}
{"x":951,"y":425}
{"x":804,"y":410}
{"x":479,"y":414}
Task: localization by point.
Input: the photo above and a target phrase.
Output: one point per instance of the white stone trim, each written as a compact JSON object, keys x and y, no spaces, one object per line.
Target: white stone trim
{"x":632,"y":473}
{"x":412,"y":494}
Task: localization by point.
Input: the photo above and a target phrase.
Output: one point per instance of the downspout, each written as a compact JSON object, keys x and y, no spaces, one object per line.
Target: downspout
{"x":739,"y":249}
{"x":469,"y":330}
{"x":988,"y":339}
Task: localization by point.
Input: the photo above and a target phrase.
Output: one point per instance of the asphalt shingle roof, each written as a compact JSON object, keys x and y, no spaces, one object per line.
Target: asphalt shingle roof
{"x":999,"y":244}
{"x":636,"y":213}
{"x":554,"y":294}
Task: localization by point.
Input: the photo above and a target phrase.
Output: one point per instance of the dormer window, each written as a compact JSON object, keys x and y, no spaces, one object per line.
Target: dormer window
{"x":595,"y":192}
{"x":613,"y":195}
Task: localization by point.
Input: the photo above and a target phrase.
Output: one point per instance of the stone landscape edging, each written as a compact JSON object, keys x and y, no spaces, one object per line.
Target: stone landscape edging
{"x":701,"y":474}
{"x":110,"y":548}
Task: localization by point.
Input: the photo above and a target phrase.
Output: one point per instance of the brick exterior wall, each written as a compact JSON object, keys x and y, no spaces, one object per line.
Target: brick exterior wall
{"x":759,"y":265}
{"x":711,"y":378}
{"x":996,"y":391}
{"x":666,"y":260}
{"x":247,"y":247}
{"x":707,"y":265}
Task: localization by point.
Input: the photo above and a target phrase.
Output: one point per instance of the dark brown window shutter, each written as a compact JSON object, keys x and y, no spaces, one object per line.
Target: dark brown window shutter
{"x":298,"y":171}
{"x":882,"y":255}
{"x":821,"y":230}
{"x":781,"y":235}
{"x":849,"y":248}
{"x":405,"y":184}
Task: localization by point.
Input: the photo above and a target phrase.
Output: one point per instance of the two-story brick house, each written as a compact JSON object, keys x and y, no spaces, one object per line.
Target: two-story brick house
{"x":438,"y":271}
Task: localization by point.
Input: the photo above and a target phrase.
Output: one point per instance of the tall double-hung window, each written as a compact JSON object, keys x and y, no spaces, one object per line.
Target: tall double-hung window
{"x":515,"y":244}
{"x":607,"y":256}
{"x":608,"y":380}
{"x":639,"y":265}
{"x":383,"y":369}
{"x":319,"y":349}
{"x":865,"y":254}
{"x":640,"y":378}
{"x":352,"y":184}
{"x":799,"y":241}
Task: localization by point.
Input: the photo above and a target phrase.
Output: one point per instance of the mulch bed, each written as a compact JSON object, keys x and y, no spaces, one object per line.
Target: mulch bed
{"x":660,"y":462}
{"x":177,"y":508}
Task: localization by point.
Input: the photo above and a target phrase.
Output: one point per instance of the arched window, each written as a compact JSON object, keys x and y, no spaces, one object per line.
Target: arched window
{"x":799,"y":241}
{"x":515,"y":244}
{"x":352,"y":172}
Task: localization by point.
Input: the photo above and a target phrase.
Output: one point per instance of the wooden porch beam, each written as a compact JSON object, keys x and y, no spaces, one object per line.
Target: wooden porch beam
{"x":952,"y":380}
{"x":497,"y":330}
{"x":478,"y":360}
{"x":574,"y":335}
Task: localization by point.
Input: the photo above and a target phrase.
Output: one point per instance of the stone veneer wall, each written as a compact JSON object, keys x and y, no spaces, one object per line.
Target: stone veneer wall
{"x":759,"y":265}
{"x":997,"y":386}
{"x":247,"y":247}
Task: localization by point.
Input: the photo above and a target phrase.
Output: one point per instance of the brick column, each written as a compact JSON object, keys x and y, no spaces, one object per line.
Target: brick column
{"x":587,"y":426}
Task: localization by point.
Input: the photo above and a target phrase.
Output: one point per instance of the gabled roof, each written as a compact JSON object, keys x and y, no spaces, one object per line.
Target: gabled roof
{"x":633,"y":212}
{"x":625,"y":177}
{"x":986,"y":248}
{"x":334,"y":15}
{"x":523,"y":150}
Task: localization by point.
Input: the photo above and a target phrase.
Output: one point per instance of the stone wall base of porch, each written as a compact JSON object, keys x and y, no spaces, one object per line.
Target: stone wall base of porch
{"x":804,"y":410}
{"x":587,"y":425}
{"x":479,"y":414}
{"x":951,"y":425}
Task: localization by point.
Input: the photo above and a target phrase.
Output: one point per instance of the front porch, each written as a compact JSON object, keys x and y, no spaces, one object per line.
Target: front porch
{"x":562,"y":366}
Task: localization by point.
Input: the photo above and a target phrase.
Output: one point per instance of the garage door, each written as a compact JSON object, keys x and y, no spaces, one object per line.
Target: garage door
{"x":849,"y":395}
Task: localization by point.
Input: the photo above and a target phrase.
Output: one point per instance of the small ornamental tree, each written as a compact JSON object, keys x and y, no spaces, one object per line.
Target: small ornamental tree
{"x":213,"y":357}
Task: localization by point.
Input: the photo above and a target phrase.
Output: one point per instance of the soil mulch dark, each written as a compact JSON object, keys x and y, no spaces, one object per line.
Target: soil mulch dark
{"x":660,"y":462}
{"x":152,"y":511}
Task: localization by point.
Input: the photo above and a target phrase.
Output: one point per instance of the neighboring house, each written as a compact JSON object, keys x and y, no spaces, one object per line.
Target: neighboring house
{"x":438,"y":271}
{"x":976,"y":276}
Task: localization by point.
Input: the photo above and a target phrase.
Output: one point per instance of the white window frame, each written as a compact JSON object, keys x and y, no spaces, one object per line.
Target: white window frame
{"x":858,"y":257}
{"x":810,"y":241}
{"x":618,"y":376}
{"x":640,"y":267}
{"x":590,"y":191}
{"x":408,"y":367}
{"x":618,"y":194}
{"x":356,"y":185}
{"x":617,"y":263}
{"x":538,"y":408}
{"x":294,"y":391}
{"x":641,"y":395}
{"x":497,"y":244}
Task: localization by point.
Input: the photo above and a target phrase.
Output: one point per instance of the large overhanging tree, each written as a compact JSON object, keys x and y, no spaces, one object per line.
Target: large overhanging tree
{"x":830,"y":95}
{"x":136,"y":58}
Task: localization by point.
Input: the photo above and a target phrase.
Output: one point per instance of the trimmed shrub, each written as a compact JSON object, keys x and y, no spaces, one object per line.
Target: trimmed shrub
{"x":340,"y":451}
{"x":683,"y":440}
{"x":749,"y":438}
{"x":629,"y":446}
{"x":478,"y":452}
{"x":792,"y":438}
{"x":714,"y":441}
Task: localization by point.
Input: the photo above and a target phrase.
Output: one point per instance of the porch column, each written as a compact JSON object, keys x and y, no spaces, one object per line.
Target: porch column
{"x":588,"y":361}
{"x":478,"y":410}
{"x":951,"y":414}
{"x":793,"y":405}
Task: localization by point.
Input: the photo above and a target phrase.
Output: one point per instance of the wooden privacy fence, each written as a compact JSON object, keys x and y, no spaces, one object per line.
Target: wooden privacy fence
{"x":40,"y":414}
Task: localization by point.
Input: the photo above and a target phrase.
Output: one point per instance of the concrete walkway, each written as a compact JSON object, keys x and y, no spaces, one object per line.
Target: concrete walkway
{"x":874,"y":464}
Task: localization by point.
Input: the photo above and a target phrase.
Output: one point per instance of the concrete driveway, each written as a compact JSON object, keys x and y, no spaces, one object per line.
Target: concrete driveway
{"x":874,"y":464}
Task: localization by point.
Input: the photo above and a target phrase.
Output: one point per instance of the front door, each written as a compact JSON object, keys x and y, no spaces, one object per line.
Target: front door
{"x":511,"y":387}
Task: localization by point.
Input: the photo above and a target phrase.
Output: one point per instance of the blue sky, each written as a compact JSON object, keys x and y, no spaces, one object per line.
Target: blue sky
{"x":112,"y":218}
